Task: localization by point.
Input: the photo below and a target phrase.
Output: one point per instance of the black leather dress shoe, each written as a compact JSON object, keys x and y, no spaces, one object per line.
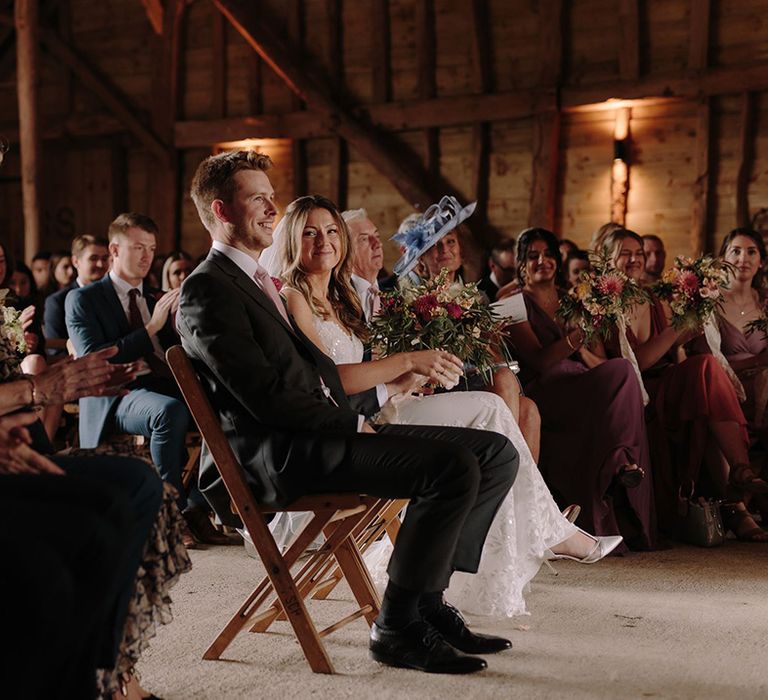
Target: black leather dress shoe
{"x":420,"y":646}
{"x":203,"y":531}
{"x":452,"y":627}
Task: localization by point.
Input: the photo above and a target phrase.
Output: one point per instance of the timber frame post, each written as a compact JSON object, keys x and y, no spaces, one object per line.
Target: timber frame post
{"x":28,"y":52}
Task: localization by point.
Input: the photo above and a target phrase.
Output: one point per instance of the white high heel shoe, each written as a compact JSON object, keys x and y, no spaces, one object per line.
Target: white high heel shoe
{"x":603,"y":547}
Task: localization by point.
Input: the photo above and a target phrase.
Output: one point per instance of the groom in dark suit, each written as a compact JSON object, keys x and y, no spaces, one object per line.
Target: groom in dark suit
{"x":282,"y":406}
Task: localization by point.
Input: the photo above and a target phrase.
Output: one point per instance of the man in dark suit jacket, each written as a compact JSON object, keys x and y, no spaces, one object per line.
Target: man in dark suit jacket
{"x":123,"y":310}
{"x":282,"y":406}
{"x":501,"y":268}
{"x":90,"y":257}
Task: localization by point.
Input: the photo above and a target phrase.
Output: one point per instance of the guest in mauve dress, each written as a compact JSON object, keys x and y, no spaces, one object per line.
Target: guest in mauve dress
{"x":747,"y":353}
{"x":594,"y":449}
{"x":692,"y":402}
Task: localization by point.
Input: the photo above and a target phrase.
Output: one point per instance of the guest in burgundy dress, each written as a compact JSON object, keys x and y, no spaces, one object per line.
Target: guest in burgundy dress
{"x":594,"y":449}
{"x":692,"y":402}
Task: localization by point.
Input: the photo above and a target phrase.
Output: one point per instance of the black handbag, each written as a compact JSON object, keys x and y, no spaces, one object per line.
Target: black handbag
{"x":699,"y":521}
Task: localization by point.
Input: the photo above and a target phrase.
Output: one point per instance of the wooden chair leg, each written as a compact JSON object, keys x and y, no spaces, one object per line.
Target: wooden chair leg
{"x":307,"y":577}
{"x":358,"y":578}
{"x":389,"y":522}
{"x":278,"y":571}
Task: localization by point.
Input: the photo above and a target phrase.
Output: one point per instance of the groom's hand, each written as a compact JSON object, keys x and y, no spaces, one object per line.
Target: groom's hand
{"x":368,"y":428}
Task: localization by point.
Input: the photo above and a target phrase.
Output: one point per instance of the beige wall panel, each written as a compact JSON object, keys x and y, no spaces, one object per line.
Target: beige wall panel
{"x":510,"y":176}
{"x":726,"y":121}
{"x":758,"y":188}
{"x":661,"y":174}
{"x":586,"y":154}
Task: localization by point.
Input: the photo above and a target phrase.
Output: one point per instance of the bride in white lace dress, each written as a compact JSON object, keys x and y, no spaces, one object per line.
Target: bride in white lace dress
{"x":311,"y":254}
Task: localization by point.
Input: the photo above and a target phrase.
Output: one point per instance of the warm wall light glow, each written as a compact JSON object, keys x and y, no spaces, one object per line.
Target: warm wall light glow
{"x":247,"y":145}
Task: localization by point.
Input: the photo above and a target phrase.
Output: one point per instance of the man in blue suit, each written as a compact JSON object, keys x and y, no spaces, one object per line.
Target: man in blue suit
{"x":90,"y":257}
{"x":122,"y":310}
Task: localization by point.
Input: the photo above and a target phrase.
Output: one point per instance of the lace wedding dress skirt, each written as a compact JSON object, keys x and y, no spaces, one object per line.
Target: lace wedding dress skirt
{"x":527,"y":523}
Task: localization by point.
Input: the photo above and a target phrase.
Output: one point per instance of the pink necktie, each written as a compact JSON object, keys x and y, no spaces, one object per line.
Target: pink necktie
{"x":373,"y":291}
{"x":268,"y":287}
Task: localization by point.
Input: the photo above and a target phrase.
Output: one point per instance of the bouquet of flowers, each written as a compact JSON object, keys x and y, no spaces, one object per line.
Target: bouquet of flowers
{"x":12,"y":343}
{"x":600,"y":299}
{"x":437,"y":315}
{"x":694,"y":290}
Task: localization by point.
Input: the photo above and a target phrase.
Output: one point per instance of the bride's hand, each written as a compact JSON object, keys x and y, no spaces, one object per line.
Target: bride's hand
{"x":408,"y":383}
{"x":439,"y":366}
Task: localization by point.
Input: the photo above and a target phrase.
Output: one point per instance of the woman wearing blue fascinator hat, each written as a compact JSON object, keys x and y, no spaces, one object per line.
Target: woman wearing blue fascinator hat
{"x":430,"y":237}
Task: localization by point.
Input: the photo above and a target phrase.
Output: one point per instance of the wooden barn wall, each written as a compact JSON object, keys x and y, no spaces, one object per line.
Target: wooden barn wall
{"x":94,"y":167}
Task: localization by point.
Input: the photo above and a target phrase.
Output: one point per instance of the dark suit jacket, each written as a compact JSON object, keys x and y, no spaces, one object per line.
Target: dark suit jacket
{"x":54,"y":321}
{"x":263,"y":378}
{"x":486,"y":285}
{"x":95,"y":320}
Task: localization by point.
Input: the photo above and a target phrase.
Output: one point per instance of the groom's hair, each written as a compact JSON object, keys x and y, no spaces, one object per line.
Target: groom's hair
{"x":214,"y":179}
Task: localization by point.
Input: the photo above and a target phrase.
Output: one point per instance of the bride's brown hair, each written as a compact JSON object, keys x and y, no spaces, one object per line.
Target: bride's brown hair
{"x":341,"y":294}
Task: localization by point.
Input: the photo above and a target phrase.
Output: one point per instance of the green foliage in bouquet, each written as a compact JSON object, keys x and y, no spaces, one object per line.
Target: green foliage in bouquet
{"x":694,"y":290}
{"x":437,"y":315}
{"x":602,"y":296}
{"x":759,"y":325}
{"x":12,"y":343}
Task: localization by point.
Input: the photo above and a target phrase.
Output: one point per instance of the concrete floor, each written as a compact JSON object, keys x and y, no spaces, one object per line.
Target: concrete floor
{"x":679,"y":623}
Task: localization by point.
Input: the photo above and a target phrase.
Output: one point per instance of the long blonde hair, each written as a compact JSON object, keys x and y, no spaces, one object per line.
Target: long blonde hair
{"x":341,"y":293}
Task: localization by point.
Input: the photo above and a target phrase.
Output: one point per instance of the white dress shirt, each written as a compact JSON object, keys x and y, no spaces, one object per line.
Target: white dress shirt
{"x":122,"y":288}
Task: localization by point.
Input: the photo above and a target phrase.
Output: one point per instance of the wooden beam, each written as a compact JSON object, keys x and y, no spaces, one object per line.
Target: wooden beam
{"x":701,"y":185}
{"x":154,"y":10}
{"x":550,"y":31}
{"x":219,"y":64}
{"x":312,"y":86}
{"x":468,"y":109}
{"x":698,"y":42}
{"x":745,"y":157}
{"x":629,"y":40}
{"x":381,"y":75}
{"x":109,"y":94}
{"x":546,"y":153}
{"x":27,"y":52}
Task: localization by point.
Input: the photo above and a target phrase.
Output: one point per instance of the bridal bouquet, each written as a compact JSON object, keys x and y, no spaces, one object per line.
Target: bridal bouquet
{"x":600,"y":299}
{"x":437,"y":315}
{"x":694,"y":290}
{"x":12,"y":343}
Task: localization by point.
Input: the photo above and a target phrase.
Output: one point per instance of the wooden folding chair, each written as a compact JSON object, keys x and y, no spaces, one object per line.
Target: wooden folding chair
{"x":337,"y":516}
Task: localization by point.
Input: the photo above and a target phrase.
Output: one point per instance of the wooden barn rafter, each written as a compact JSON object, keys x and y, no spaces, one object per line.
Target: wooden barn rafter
{"x":389,"y":104}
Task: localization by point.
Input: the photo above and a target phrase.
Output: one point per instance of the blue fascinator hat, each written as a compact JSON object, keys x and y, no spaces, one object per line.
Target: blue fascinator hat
{"x":418,"y":234}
